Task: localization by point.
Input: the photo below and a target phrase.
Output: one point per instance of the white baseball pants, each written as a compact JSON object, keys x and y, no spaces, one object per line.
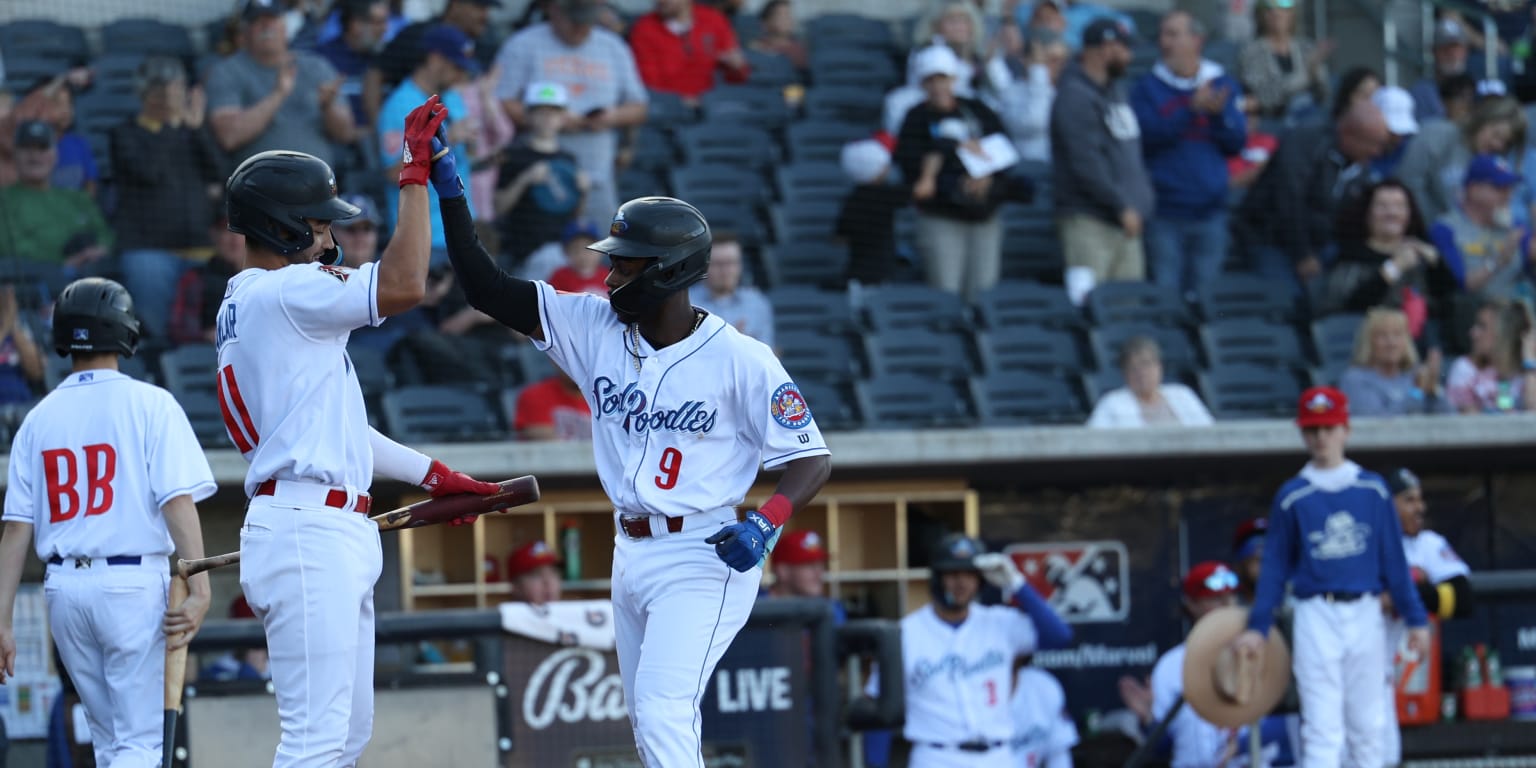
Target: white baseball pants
{"x":926,"y":756}
{"x":308,"y":572}
{"x":106,"y":621}
{"x":1339,"y":662}
{"x":676,"y":608}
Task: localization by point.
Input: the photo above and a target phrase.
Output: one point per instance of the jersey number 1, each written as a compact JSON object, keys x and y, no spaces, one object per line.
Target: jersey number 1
{"x":671,"y":463}
{"x":61,"y":471}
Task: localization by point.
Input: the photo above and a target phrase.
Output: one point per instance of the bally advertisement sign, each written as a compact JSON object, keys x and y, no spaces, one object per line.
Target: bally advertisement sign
{"x":566,"y":699}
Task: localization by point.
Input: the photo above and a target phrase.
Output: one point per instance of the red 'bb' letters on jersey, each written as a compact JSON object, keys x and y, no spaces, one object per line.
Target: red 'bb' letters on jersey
{"x":61,"y":472}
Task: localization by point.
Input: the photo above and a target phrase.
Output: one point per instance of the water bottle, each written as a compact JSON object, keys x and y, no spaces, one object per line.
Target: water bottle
{"x":570,"y":549}
{"x":1471,"y":670}
{"x":1495,"y":671}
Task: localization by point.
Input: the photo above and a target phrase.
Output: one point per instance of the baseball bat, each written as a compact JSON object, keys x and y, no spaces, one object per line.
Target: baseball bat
{"x":175,"y":679}
{"x":514,"y":493}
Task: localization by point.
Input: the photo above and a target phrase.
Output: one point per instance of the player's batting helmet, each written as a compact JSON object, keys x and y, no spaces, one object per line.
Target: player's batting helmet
{"x":670,"y":232}
{"x":95,"y":314}
{"x":954,"y":553}
{"x":271,"y":196}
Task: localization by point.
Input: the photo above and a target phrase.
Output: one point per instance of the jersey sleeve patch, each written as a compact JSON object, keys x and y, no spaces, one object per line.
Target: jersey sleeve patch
{"x":340,"y":273}
{"x":789,"y":408}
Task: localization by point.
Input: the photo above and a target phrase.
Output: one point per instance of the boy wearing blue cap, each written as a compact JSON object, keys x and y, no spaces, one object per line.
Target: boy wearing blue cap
{"x":1487,"y":253}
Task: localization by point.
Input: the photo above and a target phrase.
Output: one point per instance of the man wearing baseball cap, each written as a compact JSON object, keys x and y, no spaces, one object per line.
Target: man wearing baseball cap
{"x":1487,"y":254}
{"x":799,"y":565}
{"x":1450,"y":51}
{"x":1334,"y":537}
{"x":42,"y":222}
{"x":358,"y":237}
{"x":533,"y":573}
{"x":404,"y":53}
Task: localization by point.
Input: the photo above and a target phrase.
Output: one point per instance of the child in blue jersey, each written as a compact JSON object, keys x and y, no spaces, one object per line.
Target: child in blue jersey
{"x":1334,"y":536}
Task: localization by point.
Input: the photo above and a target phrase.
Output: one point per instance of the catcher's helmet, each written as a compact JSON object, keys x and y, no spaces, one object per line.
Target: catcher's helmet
{"x":270,"y":196}
{"x":670,"y":232}
{"x":954,"y":553}
{"x":95,"y":314}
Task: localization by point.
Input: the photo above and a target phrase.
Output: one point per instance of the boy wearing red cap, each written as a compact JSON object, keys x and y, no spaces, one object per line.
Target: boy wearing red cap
{"x":533,"y":572}
{"x":800,"y":569}
{"x":1334,"y":536}
{"x":1196,"y":743}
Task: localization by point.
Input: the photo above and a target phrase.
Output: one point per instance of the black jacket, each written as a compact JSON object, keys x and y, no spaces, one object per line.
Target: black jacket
{"x":917,"y":139}
{"x":1354,"y":284}
{"x":161,"y":180}
{"x":1294,"y":203}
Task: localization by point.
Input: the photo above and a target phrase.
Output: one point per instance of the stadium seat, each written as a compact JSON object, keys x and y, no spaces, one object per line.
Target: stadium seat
{"x":654,"y":150}
{"x":696,"y":183}
{"x":760,"y":107}
{"x":849,"y":30}
{"x":100,"y":111}
{"x":1333,"y":340}
{"x":942,"y":355}
{"x":807,"y":181}
{"x":1096,"y":383}
{"x":23,"y":70}
{"x":1023,"y":349}
{"x":373,"y":374}
{"x":897,"y":307}
{"x":668,"y":111}
{"x":840,"y":65}
{"x":909,"y":401}
{"x":1031,"y":247}
{"x":206,"y":417}
{"x":116,"y":72}
{"x":797,"y":223}
{"x":190,"y":368}
{"x":804,"y":308}
{"x":507,"y":399}
{"x":639,"y":182}
{"x":1235,"y":295}
{"x":1249,"y":340}
{"x":1013,"y":303}
{"x":736,"y":215}
{"x":46,"y":39}
{"x":820,"y":142}
{"x":768,"y":70}
{"x":146,"y":36}
{"x":1020,"y":397}
{"x":1178,"y":353}
{"x":845,"y":103}
{"x":823,"y":265}
{"x":1249,"y":392}
{"x":438,"y":414}
{"x":832,"y":406}
{"x":819,"y":356}
{"x":726,"y":144}
{"x":1132,"y":301}
{"x":535,"y":365}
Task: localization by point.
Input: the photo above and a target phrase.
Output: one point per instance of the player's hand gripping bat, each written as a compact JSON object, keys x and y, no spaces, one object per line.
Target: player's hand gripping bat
{"x":175,"y":678}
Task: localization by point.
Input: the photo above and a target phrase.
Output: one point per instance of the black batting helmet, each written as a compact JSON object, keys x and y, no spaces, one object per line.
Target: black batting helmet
{"x":954,"y":553}
{"x":272,"y":194}
{"x":94,"y":314}
{"x":670,"y":232}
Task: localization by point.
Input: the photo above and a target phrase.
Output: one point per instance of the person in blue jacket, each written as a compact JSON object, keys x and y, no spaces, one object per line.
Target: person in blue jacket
{"x":1191,"y":123}
{"x":1334,"y":536}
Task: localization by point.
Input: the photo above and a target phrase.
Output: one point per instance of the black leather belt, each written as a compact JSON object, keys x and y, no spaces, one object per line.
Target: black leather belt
{"x":639,"y":526}
{"x":1341,"y":597}
{"x":971,"y":746}
{"x":85,"y":562}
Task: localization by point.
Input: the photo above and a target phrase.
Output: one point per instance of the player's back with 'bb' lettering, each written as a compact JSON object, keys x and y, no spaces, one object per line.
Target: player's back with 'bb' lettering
{"x":95,"y":460}
{"x":289,"y":396}
{"x":687,"y":430}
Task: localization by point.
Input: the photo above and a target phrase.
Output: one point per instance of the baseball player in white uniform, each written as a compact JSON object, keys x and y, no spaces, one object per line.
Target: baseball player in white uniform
{"x":106,"y":474}
{"x":958,"y":658}
{"x":1044,"y":733}
{"x":684,"y":411}
{"x":292,"y":405}
{"x":1441,"y":578}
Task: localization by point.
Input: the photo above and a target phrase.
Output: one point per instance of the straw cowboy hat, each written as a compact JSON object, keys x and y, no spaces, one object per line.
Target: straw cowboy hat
{"x":1225,"y":688}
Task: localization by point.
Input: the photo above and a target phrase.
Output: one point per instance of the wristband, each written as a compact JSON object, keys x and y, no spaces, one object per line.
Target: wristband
{"x":777,"y":510}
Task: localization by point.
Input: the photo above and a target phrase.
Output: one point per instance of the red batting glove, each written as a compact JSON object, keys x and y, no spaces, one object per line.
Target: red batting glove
{"x":442,"y":481}
{"x":416,"y":154}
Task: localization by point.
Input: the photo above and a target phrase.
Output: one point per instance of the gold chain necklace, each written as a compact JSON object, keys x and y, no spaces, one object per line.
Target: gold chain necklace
{"x":634,"y":334}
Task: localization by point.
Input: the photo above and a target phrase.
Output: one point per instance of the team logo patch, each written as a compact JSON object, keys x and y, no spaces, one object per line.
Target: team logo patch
{"x":337,"y":272}
{"x":82,"y":334}
{"x":1084,"y":581}
{"x":619,"y":226}
{"x":788,"y":407}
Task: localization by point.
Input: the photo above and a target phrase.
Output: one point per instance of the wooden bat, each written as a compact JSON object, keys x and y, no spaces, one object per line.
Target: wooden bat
{"x":175,"y":679}
{"x":514,"y":493}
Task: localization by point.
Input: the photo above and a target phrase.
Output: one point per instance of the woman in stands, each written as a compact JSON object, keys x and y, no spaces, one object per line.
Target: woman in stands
{"x":1501,"y":369}
{"x":1284,"y":73}
{"x":1385,"y":377}
{"x":1145,"y":400}
{"x":1435,"y":164}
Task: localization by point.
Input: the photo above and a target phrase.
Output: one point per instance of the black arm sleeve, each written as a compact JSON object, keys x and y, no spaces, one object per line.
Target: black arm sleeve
{"x":1430,"y":595}
{"x":512,"y":301}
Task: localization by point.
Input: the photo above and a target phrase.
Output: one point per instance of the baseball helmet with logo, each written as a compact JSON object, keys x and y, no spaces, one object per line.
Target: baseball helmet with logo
{"x":94,"y":314}
{"x":272,"y":195}
{"x":670,"y":232}
{"x":954,"y":553}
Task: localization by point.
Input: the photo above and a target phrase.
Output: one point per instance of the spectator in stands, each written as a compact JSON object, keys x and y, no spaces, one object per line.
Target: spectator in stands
{"x":958,"y":25}
{"x":358,"y":237}
{"x":680,"y":45}
{"x":542,"y":184}
{"x":1500,"y":370}
{"x":1385,"y":377}
{"x":21,"y":364}
{"x":239,"y":664}
{"x":198,"y":293}
{"x":1523,"y":62}
{"x":334,"y":28}
{"x":1146,"y":400}
{"x":1245,"y":168}
{"x":799,"y":566}
{"x":1102,"y":192}
{"x":1450,"y":50}
{"x":721,"y":293}
{"x":42,"y":222}
{"x":444,"y":340}
{"x":168,"y":175}
{"x":1069,"y":18}
{"x":448,"y":62}
{"x":1436,"y":162}
{"x":404,"y":53}
{"x":1287,"y":218}
{"x":600,"y":78}
{"x":363,"y":25}
{"x":1384,"y":260}
{"x":1397,"y":110}
{"x":1488,"y":253}
{"x":778,"y":34}
{"x":1025,"y":105}
{"x":553,"y":409}
{"x":1187,"y":107}
{"x":1458,"y":95}
{"x":866,"y":223}
{"x":1284,"y":73}
{"x":959,"y":236}
{"x":584,"y":270}
{"x":53,"y":102}
{"x":265,"y":96}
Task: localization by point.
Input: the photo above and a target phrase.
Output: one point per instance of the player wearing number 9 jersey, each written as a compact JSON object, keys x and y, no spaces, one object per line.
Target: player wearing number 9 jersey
{"x":684,"y":410}
{"x":106,"y":473}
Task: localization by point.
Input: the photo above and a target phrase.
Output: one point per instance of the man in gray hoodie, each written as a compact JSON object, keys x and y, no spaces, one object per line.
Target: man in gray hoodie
{"x":1102,"y":191}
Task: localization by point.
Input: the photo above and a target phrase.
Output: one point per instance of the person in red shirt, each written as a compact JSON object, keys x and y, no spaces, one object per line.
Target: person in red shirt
{"x":583,"y":271}
{"x":553,"y":409}
{"x":679,"y":46}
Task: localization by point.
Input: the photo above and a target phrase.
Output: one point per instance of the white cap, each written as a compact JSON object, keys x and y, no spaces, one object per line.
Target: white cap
{"x":1396,"y":107}
{"x":865,"y":160}
{"x":935,"y":60}
{"x":546,"y":95}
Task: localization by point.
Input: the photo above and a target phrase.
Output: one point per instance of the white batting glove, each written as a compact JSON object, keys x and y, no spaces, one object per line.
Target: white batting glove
{"x":1000,"y":570}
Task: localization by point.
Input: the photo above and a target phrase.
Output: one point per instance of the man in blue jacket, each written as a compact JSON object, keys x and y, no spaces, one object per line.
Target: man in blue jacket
{"x":1190,"y":124}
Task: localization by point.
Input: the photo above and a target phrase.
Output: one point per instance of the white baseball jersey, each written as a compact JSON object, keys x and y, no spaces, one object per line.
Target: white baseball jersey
{"x":686,"y":413}
{"x":93,"y":463}
{"x":1432,"y":554}
{"x":1196,"y":743}
{"x":288,"y":392}
{"x":1044,"y":730}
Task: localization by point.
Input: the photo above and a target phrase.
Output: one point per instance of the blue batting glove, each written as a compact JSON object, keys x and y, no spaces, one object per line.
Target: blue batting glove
{"x":445,"y":174}
{"x":744,"y":545}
